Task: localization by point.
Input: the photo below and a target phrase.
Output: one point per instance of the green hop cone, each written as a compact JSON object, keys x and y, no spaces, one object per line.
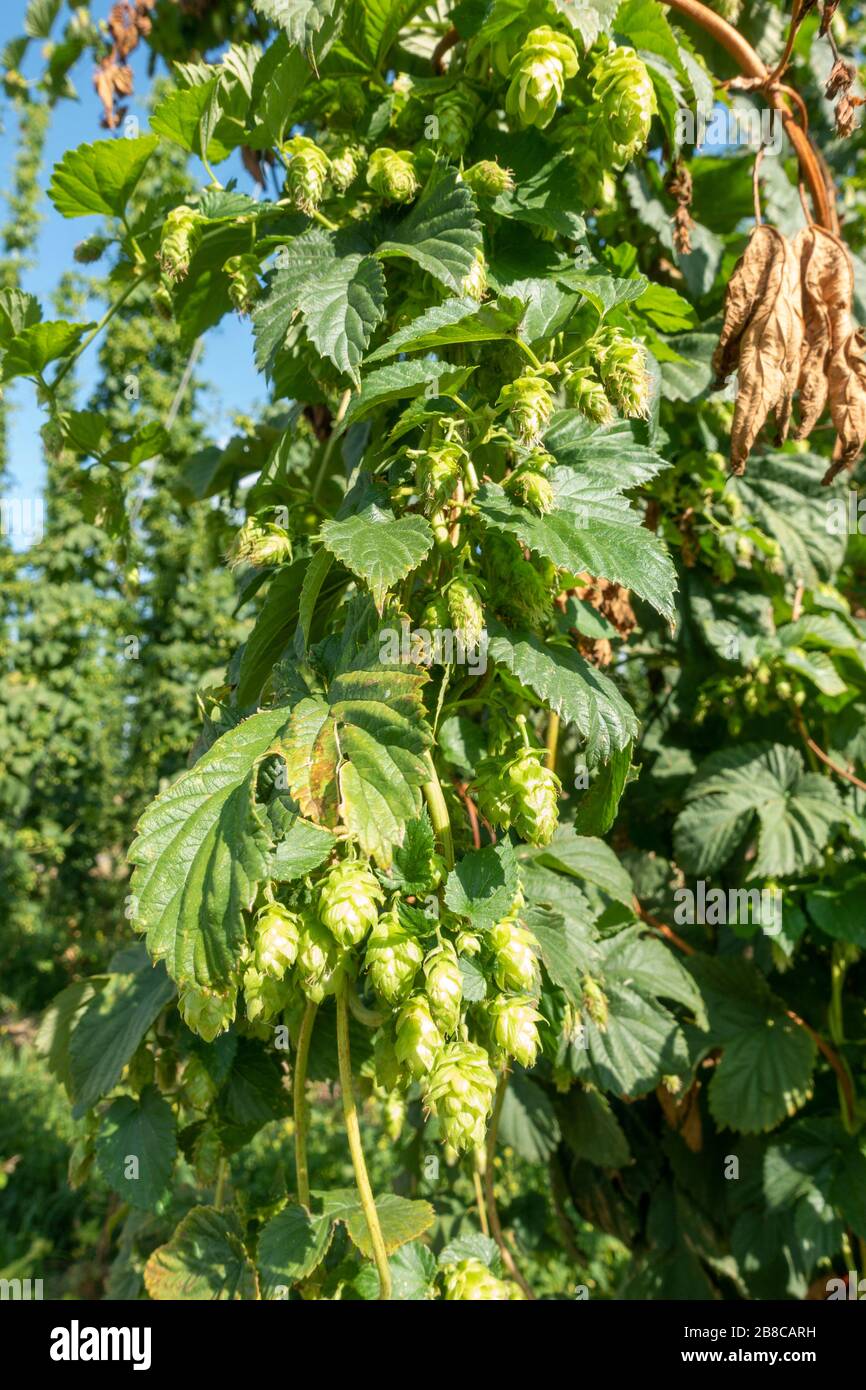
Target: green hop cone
{"x":466,"y":612}
{"x":488,"y":179}
{"x":91,"y":249}
{"x":521,"y":591}
{"x":244,"y":287}
{"x":514,"y":1019}
{"x":529,"y":399}
{"x":539,"y":72}
{"x":349,"y":901}
{"x":474,"y":284}
{"x":207,"y":1012}
{"x":530,"y":487}
{"x":437,"y":471}
{"x":595,"y":1001}
{"x":263,"y":996}
{"x":459,"y":1091}
{"x":163,"y":303}
{"x":444,"y":987}
{"x":585,"y":393}
{"x":179,"y":241}
{"x":394,"y":1115}
{"x":345,"y":167}
{"x":626,"y":102}
{"x":515,"y":956}
{"x":306,"y":175}
{"x":391,"y":173}
{"x":535,"y":792}
{"x":393,"y":958}
{"x":207,"y":1151}
{"x":622,"y":363}
{"x":386,"y":1063}
{"x":471,"y":1280}
{"x":197,"y":1085}
{"x":276,"y":945}
{"x":260,"y":543}
{"x":455,"y":112}
{"x":492,"y":792}
{"x":320,"y":960}
{"x":419,"y":1041}
{"x":467,"y":943}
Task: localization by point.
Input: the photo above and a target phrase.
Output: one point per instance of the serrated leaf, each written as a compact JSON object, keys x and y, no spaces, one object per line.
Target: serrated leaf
{"x":30,"y":352}
{"x":341,"y":306}
{"x":641,"y":1044}
{"x":400,"y":1219}
{"x":143,"y":1131}
{"x":603,"y":290}
{"x":274,"y":628}
{"x":100,"y":178}
{"x":201,"y":851}
{"x":454,"y":321}
{"x":783,"y":498}
{"x":591,"y":1130}
{"x":528,"y":1120}
{"x":597,"y":806}
{"x":483,"y":884}
{"x":651,"y":967}
{"x":291,"y":1245}
{"x":401,"y":381}
{"x":302,"y":20}
{"x":410,"y":871}
{"x":204,"y":1260}
{"x":304,"y":847}
{"x":567,"y":949}
{"x":441,"y":233}
{"x":473,"y":1246}
{"x":188,"y":115}
{"x":110,"y":1029}
{"x":378,"y":547}
{"x":310,"y":255}
{"x":568,"y":685}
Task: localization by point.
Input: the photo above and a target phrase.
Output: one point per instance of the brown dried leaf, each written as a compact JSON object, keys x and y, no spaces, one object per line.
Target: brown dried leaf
{"x":841,"y":77}
{"x":848,"y":398}
{"x":761,"y":260}
{"x":819,"y":256}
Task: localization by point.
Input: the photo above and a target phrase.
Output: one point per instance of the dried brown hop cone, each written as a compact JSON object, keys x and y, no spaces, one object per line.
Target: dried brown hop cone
{"x":841,"y":77}
{"x":761,"y":336}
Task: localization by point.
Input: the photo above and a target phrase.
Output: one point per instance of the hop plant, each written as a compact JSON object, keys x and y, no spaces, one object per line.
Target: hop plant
{"x":444,"y":987}
{"x":394,"y":1115}
{"x":585,"y":393}
{"x":459,"y":1091}
{"x":418,"y":1041}
{"x":91,"y":249}
{"x":392,"y":958}
{"x":244,"y":287}
{"x":529,"y":399}
{"x":520,"y":590}
{"x":539,"y":72}
{"x":198,"y":1086}
{"x":514,"y":1019}
{"x":207,"y":1012}
{"x":306,"y":175}
{"x":320,"y":960}
{"x":466,"y":612}
{"x":391,"y":173}
{"x":530,"y":486}
{"x":595,"y":1001}
{"x":471,"y":1280}
{"x":437,"y":471}
{"x":623,"y":90}
{"x":349,"y":900}
{"x":263,"y":996}
{"x":179,"y":241}
{"x":535,"y":790}
{"x":488,"y":179}
{"x":207,"y":1151}
{"x":515,"y":956}
{"x":277,"y":935}
{"x":474,"y":285}
{"x":345,"y":167}
{"x":622,"y":363}
{"x":456,"y":111}
{"x":260,"y":543}
{"x":386,"y":1063}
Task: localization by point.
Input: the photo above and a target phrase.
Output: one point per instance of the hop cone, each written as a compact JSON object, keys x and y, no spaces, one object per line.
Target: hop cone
{"x":244,"y":287}
{"x":181,"y":234}
{"x":470,"y":1279}
{"x":392,"y":959}
{"x":306,"y":175}
{"x":460,"y":1092}
{"x":493,"y":792}
{"x":385,"y":1061}
{"x":534,"y":791}
{"x":345,"y":167}
{"x":444,"y":987}
{"x":539,"y":72}
{"x":263,"y":996}
{"x":207,"y":1011}
{"x":530,"y":401}
{"x":206,"y":1154}
{"x":532,"y":488}
{"x":199,"y":1087}
{"x":260,"y":543}
{"x":514,"y":1020}
{"x":515,"y":964}
{"x":595,"y":1002}
{"x":418,"y":1039}
{"x":585,"y":392}
{"x":466,"y":612}
{"x":622,"y":362}
{"x":394,"y":1108}
{"x":437,"y":470}
{"x":474,"y":285}
{"x":520,"y":590}
{"x":623,"y":89}
{"x":319,"y":964}
{"x":488,"y":179}
{"x":392,"y":174}
{"x":90,"y":250}
{"x":455,"y":112}
{"x":277,"y":934}
{"x":348,"y":902}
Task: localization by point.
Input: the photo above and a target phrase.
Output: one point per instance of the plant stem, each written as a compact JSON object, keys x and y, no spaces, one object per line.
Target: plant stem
{"x":492,"y":1214}
{"x":95,"y":332}
{"x":479,"y":1195}
{"x":220,"y":1184}
{"x":329,"y":447}
{"x":356,"y":1148}
{"x":552,"y":741}
{"x":325,"y":221}
{"x":438,"y":809}
{"x":299,"y":1092}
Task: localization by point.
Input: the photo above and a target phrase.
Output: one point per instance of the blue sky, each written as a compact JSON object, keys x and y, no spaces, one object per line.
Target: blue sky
{"x":227,"y":360}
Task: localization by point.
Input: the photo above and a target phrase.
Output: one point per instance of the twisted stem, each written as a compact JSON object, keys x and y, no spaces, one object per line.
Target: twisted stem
{"x":356,"y":1148}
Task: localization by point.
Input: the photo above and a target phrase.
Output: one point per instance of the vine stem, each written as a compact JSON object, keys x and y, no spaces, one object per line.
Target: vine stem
{"x":489,"y":1194}
{"x":356,"y":1148}
{"x":299,"y":1092}
{"x":439,"y":816}
{"x":825,"y":758}
{"x":552,"y":742}
{"x":329,"y":447}
{"x":112,"y":309}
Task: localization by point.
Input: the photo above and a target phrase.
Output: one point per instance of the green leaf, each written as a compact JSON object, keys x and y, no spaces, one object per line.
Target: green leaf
{"x":589,"y":17}
{"x":610,"y":457}
{"x":291,"y":1245}
{"x":310,"y":256}
{"x":301,"y":851}
{"x":473,"y":1246}
{"x":100,"y":178}
{"x":39,"y":17}
{"x":17,"y":312}
{"x":442,"y":233}
{"x":783,"y":498}
{"x":30,"y":352}
{"x":603,"y":290}
{"x":591,"y":1130}
{"x":410,"y":871}
{"x":598,"y":805}
{"x":399,"y":381}
{"x":568,"y":685}
{"x":274,"y":628}
{"x":528,"y":1121}
{"x":483,"y":885}
{"x":454,"y":321}
{"x":567,"y":949}
{"x":379,"y":548}
{"x":652,"y":968}
{"x":110,"y":1029}
{"x":279,"y":80}
{"x":585,"y":857}
{"x":201,"y":851}
{"x":187,"y":116}
{"x":356,"y":757}
{"x":795,"y":812}
{"x":665,"y":309}
{"x":136,"y":1146}
{"x":341,"y":307}
{"x":302,"y":20}
{"x":204,"y":1260}
{"x":57,"y":1023}
{"x":401,"y":1220}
